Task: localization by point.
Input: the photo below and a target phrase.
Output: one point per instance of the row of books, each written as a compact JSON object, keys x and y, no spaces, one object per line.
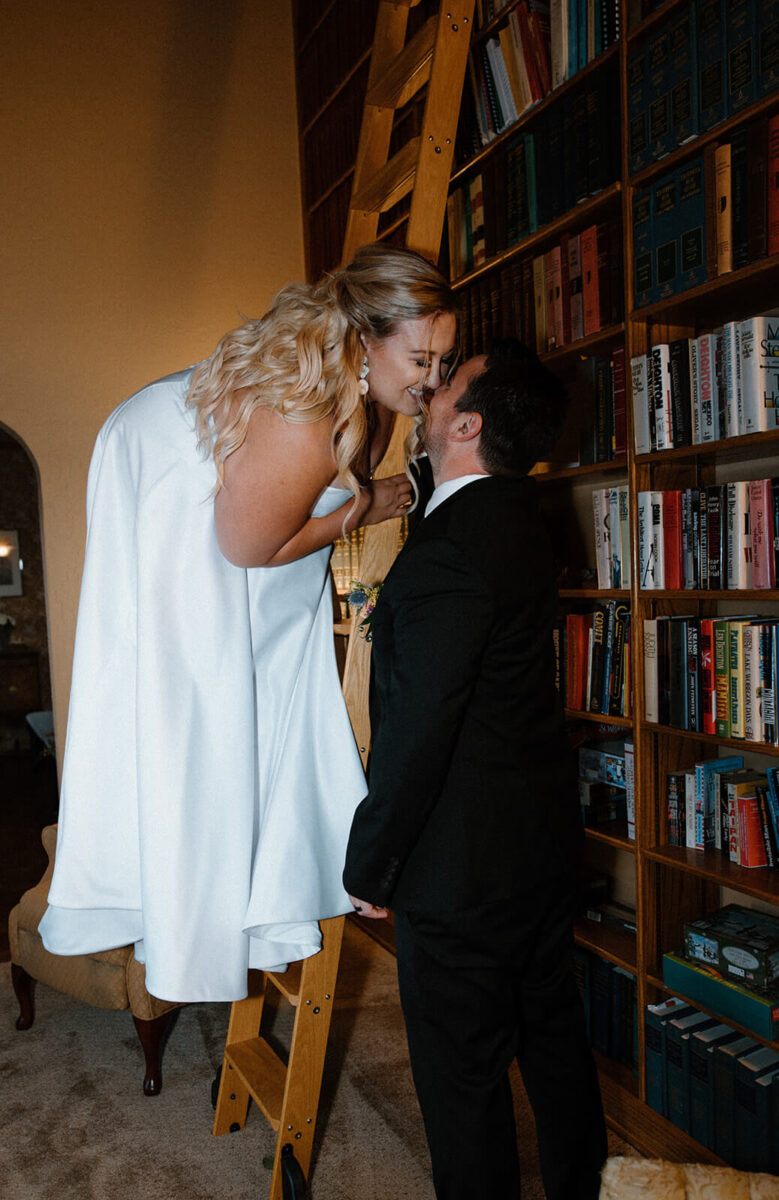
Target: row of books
{"x":722,"y":537}
{"x":607,"y":783}
{"x":609,"y":996}
{"x":571,"y":153}
{"x":716,"y":213}
{"x":713,"y":675}
{"x":593,"y":659}
{"x":549,"y":300}
{"x":611,"y":519}
{"x":345,"y":560}
{"x":715,"y":1083}
{"x":714,"y":60}
{"x":723,"y":806}
{"x":695,"y":390}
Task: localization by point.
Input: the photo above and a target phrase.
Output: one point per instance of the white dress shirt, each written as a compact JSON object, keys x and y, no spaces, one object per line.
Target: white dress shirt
{"x":448,"y":488}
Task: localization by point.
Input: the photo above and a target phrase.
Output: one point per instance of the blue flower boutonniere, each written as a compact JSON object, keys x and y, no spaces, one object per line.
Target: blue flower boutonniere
{"x":364,"y":599}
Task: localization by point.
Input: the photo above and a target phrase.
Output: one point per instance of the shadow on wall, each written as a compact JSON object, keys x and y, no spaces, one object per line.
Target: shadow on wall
{"x":24,"y":663}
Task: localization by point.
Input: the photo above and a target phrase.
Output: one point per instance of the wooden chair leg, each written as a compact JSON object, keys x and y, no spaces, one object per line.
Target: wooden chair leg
{"x":150,"y":1034}
{"x":24,"y":986}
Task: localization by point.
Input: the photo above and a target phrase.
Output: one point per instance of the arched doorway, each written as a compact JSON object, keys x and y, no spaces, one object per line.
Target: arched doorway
{"x":28,"y":778}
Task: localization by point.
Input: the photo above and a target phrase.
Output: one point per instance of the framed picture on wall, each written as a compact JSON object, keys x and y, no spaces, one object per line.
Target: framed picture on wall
{"x":10,"y":565}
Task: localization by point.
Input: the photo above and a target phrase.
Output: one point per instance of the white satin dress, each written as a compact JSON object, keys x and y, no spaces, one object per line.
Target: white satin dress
{"x":210,"y":772}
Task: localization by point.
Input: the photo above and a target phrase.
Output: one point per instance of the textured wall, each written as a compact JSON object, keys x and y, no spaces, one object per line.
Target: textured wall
{"x":150,"y":195}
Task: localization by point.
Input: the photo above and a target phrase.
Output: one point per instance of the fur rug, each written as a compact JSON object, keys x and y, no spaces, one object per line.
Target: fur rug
{"x":646,"y":1178}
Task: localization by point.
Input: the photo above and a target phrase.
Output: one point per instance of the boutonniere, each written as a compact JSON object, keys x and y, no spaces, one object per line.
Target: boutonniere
{"x":364,"y":599}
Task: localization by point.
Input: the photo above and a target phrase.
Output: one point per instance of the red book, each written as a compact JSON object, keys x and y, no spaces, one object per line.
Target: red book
{"x":620,"y":401}
{"x":751,"y":847}
{"x":575,"y":662}
{"x":540,"y":50}
{"x":773,"y":185}
{"x":526,"y":40}
{"x":708,"y":692}
{"x":672,"y":540}
{"x":565,"y":287}
{"x":589,"y":250}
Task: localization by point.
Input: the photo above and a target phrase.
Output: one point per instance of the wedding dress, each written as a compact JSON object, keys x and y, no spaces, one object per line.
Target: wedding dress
{"x":210,"y":771}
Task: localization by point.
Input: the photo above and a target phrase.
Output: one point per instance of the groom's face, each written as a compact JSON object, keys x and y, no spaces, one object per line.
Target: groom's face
{"x":441,"y":413}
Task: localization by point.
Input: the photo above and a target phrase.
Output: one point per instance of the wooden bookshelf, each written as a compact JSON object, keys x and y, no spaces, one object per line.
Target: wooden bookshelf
{"x":672,"y":884}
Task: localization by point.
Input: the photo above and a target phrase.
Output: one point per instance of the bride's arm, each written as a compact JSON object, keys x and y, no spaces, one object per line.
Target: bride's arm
{"x":271,"y":484}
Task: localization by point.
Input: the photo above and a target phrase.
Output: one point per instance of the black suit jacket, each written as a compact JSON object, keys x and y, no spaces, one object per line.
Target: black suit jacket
{"x":472,"y":787}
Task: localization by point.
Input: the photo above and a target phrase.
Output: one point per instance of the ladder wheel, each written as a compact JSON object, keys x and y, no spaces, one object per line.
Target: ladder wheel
{"x":293,"y":1181}
{"x":215,"y":1087}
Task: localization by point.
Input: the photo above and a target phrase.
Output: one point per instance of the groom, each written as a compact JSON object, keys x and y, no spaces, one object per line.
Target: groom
{"x":471,"y":828}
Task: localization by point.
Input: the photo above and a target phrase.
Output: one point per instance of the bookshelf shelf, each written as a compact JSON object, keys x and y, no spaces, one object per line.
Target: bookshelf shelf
{"x":618,"y":947}
{"x":711,"y":739}
{"x":618,"y":838}
{"x":760,"y":882}
{"x":669,"y":161}
{"x":724,"y":450}
{"x":530,"y":114}
{"x":582,"y":347}
{"x":655,"y":980}
{"x":723,"y":298}
{"x":628,"y":1116}
{"x":600,"y":718}
{"x":762,"y":594}
{"x":593,"y":470}
{"x":594,"y":593}
{"x":577,"y":218}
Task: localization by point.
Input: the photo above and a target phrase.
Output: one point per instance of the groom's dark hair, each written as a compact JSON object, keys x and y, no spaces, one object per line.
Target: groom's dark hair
{"x":522,"y":406}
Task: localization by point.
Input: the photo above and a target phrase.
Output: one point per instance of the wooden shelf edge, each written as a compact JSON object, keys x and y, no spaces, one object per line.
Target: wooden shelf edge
{"x":645,"y":1129}
{"x":733,"y":445}
{"x":594,"y":593}
{"x":575,"y":714}
{"x":615,"y":947}
{"x":711,"y":739}
{"x":612,"y":464}
{"x":620,"y":841}
{"x":672,"y":306}
{"x":760,"y":882}
{"x":771,"y":594}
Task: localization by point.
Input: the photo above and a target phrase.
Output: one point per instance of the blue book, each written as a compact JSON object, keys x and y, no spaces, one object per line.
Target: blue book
{"x":658,"y":51}
{"x":710,"y":52}
{"x":702,"y":1044}
{"x":705,"y":797}
{"x":656,"y":1019}
{"x":767,"y":36}
{"x":677,"y":1065}
{"x":665,"y":223}
{"x":741,"y":54}
{"x":772,"y":775}
{"x":638,"y":114}
{"x":691,"y":202}
{"x":530,"y":178}
{"x":581,"y":29}
{"x":643,"y":258}
{"x":573,"y":38}
{"x":726,"y":1056}
{"x":750,"y":1132}
{"x":683,"y":80}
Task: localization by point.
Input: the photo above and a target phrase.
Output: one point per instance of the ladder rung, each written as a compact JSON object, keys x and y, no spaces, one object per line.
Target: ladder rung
{"x":258,"y":1065}
{"x":402,"y":3}
{"x":409,"y":71}
{"x":288,"y":982}
{"x":394,"y":181}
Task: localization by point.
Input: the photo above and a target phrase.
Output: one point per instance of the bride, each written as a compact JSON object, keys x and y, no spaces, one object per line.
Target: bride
{"x":210,"y":772}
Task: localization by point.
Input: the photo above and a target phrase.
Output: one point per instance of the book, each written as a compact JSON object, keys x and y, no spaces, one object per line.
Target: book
{"x":665,"y":234}
{"x":710,"y":50}
{"x":590,"y":292}
{"x":708,"y":352}
{"x":741,"y":73}
{"x":772,"y":174}
{"x":638,"y":111}
{"x":726,"y":1056}
{"x":761,"y":531}
{"x":575,"y":287}
{"x":656,"y":1017}
{"x":677,"y":1069}
{"x":703,"y":1042}
{"x":738,"y":572}
{"x":692,"y":224}
{"x":724,"y":219}
{"x":643,"y":263}
{"x":683,"y":80}
{"x":758,"y":344}
{"x":680,"y":386}
{"x":660,"y":140}
{"x":739,"y":211}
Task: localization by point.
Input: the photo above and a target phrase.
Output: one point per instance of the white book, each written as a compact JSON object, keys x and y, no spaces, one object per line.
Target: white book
{"x":651,"y":702}
{"x":502,"y":84}
{"x":695,"y":392}
{"x":730,"y":378}
{"x":739,"y":541}
{"x":658,"y":545}
{"x":615,"y":535}
{"x":661,"y":396}
{"x":759,"y":359}
{"x":630,"y":790}
{"x":639,"y":388}
{"x":588,"y":690}
{"x":601,"y":513}
{"x":646,"y":553}
{"x":707,"y":349}
{"x":624,"y":534}
{"x":690,"y":822}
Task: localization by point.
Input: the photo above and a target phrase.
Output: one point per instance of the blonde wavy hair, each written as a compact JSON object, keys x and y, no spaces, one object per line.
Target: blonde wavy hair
{"x":303,"y":358}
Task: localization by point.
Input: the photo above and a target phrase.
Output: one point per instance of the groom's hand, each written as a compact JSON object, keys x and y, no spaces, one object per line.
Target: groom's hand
{"x":368,"y":910}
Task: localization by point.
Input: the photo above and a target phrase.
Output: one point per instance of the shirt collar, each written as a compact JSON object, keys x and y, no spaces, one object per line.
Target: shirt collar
{"x":448,"y":488}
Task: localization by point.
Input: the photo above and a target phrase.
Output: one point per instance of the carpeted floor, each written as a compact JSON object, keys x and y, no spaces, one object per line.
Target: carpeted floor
{"x":74,"y":1122}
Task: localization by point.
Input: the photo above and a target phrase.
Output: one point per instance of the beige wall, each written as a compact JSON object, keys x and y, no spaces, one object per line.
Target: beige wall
{"x":150,"y":195}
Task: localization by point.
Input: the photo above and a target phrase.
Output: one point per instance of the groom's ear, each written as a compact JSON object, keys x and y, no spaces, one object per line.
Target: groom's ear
{"x":466,"y":426}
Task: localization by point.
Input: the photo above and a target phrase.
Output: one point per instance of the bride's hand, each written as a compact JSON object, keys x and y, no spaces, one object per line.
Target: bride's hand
{"x":388,"y":497}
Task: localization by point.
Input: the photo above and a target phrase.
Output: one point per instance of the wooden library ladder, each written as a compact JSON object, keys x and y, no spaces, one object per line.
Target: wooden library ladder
{"x":288,"y":1095}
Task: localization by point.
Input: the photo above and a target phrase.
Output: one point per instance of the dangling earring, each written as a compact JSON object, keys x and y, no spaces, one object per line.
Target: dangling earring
{"x":363,"y":385}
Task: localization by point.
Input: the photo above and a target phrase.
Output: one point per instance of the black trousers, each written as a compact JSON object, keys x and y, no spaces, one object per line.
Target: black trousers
{"x":479,"y":988}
